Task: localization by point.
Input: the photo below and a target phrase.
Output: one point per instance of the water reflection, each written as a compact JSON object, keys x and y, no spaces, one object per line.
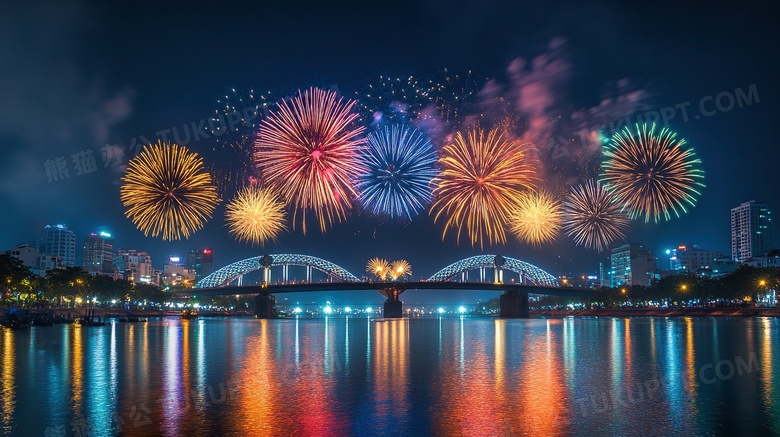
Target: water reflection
{"x":389,"y":376}
{"x":9,"y":381}
{"x":445,"y":376}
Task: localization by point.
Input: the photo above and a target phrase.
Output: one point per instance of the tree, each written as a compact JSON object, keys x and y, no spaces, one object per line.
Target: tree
{"x":105,"y":288}
{"x":150,"y":293}
{"x":67,"y":282}
{"x":15,"y":276}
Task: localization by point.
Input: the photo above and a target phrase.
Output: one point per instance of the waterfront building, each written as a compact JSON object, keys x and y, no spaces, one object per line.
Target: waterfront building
{"x":751,"y":230}
{"x":691,"y":257}
{"x":98,"y":254}
{"x":29,"y":255}
{"x":632,"y":264}
{"x":59,"y":241}
{"x":135,"y":266}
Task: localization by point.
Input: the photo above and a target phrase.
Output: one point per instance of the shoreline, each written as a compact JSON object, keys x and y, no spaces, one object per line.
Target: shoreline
{"x":662,"y":312}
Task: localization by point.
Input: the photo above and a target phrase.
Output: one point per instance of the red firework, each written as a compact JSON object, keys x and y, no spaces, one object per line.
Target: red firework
{"x":308,"y":150}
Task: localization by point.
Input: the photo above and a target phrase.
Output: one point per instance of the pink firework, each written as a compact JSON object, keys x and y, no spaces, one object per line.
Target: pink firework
{"x":308,"y":149}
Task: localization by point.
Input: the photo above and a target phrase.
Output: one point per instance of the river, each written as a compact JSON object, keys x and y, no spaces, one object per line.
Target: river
{"x":340,"y":376}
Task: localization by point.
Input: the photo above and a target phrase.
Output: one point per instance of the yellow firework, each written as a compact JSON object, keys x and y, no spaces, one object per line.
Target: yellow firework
{"x":378,"y":267}
{"x":167,"y":192}
{"x":255,"y":215}
{"x":481,"y":181}
{"x":399,"y":269}
{"x":537,"y":218}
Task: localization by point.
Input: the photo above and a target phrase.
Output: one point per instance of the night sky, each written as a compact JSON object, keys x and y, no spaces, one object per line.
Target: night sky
{"x":84,"y":75}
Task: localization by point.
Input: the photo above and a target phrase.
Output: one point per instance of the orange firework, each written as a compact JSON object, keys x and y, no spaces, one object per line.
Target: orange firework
{"x":537,"y":218}
{"x":481,"y":182}
{"x":308,"y":150}
{"x":255,"y":215}
{"x":399,"y":269}
{"x":378,"y":267}
{"x":167,"y":191}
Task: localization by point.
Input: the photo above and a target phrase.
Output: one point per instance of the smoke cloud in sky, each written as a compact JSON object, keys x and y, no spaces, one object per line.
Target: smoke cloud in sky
{"x":52,"y":105}
{"x":538,"y":95}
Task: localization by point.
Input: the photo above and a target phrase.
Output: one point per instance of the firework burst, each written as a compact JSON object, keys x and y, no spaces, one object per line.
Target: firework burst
{"x":394,"y":99}
{"x":167,"y":192}
{"x":399,"y":269}
{"x":378,"y":267}
{"x":537,"y":218}
{"x":651,"y":172}
{"x":233,"y":126}
{"x":481,"y":181}
{"x":255,"y":215}
{"x":456,"y":95}
{"x":591,"y":216}
{"x":308,"y":150}
{"x":399,"y":169}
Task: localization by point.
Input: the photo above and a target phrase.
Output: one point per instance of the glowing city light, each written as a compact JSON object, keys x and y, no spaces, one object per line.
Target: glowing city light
{"x":328,"y":310}
{"x":462,"y":310}
{"x":347,"y":310}
{"x":441,"y":310}
{"x":297,"y":310}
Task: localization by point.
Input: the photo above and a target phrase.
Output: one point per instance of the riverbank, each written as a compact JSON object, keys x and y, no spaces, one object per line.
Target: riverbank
{"x":662,"y":312}
{"x":114,"y":312}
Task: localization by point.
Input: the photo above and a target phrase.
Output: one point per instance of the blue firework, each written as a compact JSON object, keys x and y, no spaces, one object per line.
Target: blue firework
{"x":399,"y":162}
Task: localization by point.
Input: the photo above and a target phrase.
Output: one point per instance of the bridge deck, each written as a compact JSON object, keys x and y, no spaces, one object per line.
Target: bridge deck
{"x":376,"y":286}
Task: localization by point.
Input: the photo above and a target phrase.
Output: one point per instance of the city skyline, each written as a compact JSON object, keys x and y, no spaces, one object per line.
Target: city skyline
{"x":663,"y":254}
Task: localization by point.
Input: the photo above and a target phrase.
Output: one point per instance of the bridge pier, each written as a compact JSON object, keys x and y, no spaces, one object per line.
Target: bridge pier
{"x":265,"y":306}
{"x":394,"y":309}
{"x":514,"y":305}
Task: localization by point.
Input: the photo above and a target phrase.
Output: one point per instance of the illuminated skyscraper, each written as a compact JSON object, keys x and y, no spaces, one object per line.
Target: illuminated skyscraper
{"x":201,"y":262}
{"x":98,"y":255}
{"x":59,"y":241}
{"x":751,"y":230}
{"x":632,"y":264}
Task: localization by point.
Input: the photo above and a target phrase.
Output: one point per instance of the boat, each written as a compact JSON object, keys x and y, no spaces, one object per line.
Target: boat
{"x":188,"y":314}
{"x":17,"y":318}
{"x":90,"y":319}
{"x":131,"y":318}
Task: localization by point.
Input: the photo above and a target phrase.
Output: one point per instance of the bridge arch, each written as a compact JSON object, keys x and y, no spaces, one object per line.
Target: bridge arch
{"x":527,"y":270}
{"x":232,"y":271}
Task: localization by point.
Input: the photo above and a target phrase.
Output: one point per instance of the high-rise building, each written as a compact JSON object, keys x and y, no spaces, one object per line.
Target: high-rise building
{"x":632,"y":264}
{"x":98,"y":255}
{"x":207,"y":262}
{"x":751,"y":230}
{"x":201,"y":262}
{"x":135,"y":266}
{"x":59,"y":241}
